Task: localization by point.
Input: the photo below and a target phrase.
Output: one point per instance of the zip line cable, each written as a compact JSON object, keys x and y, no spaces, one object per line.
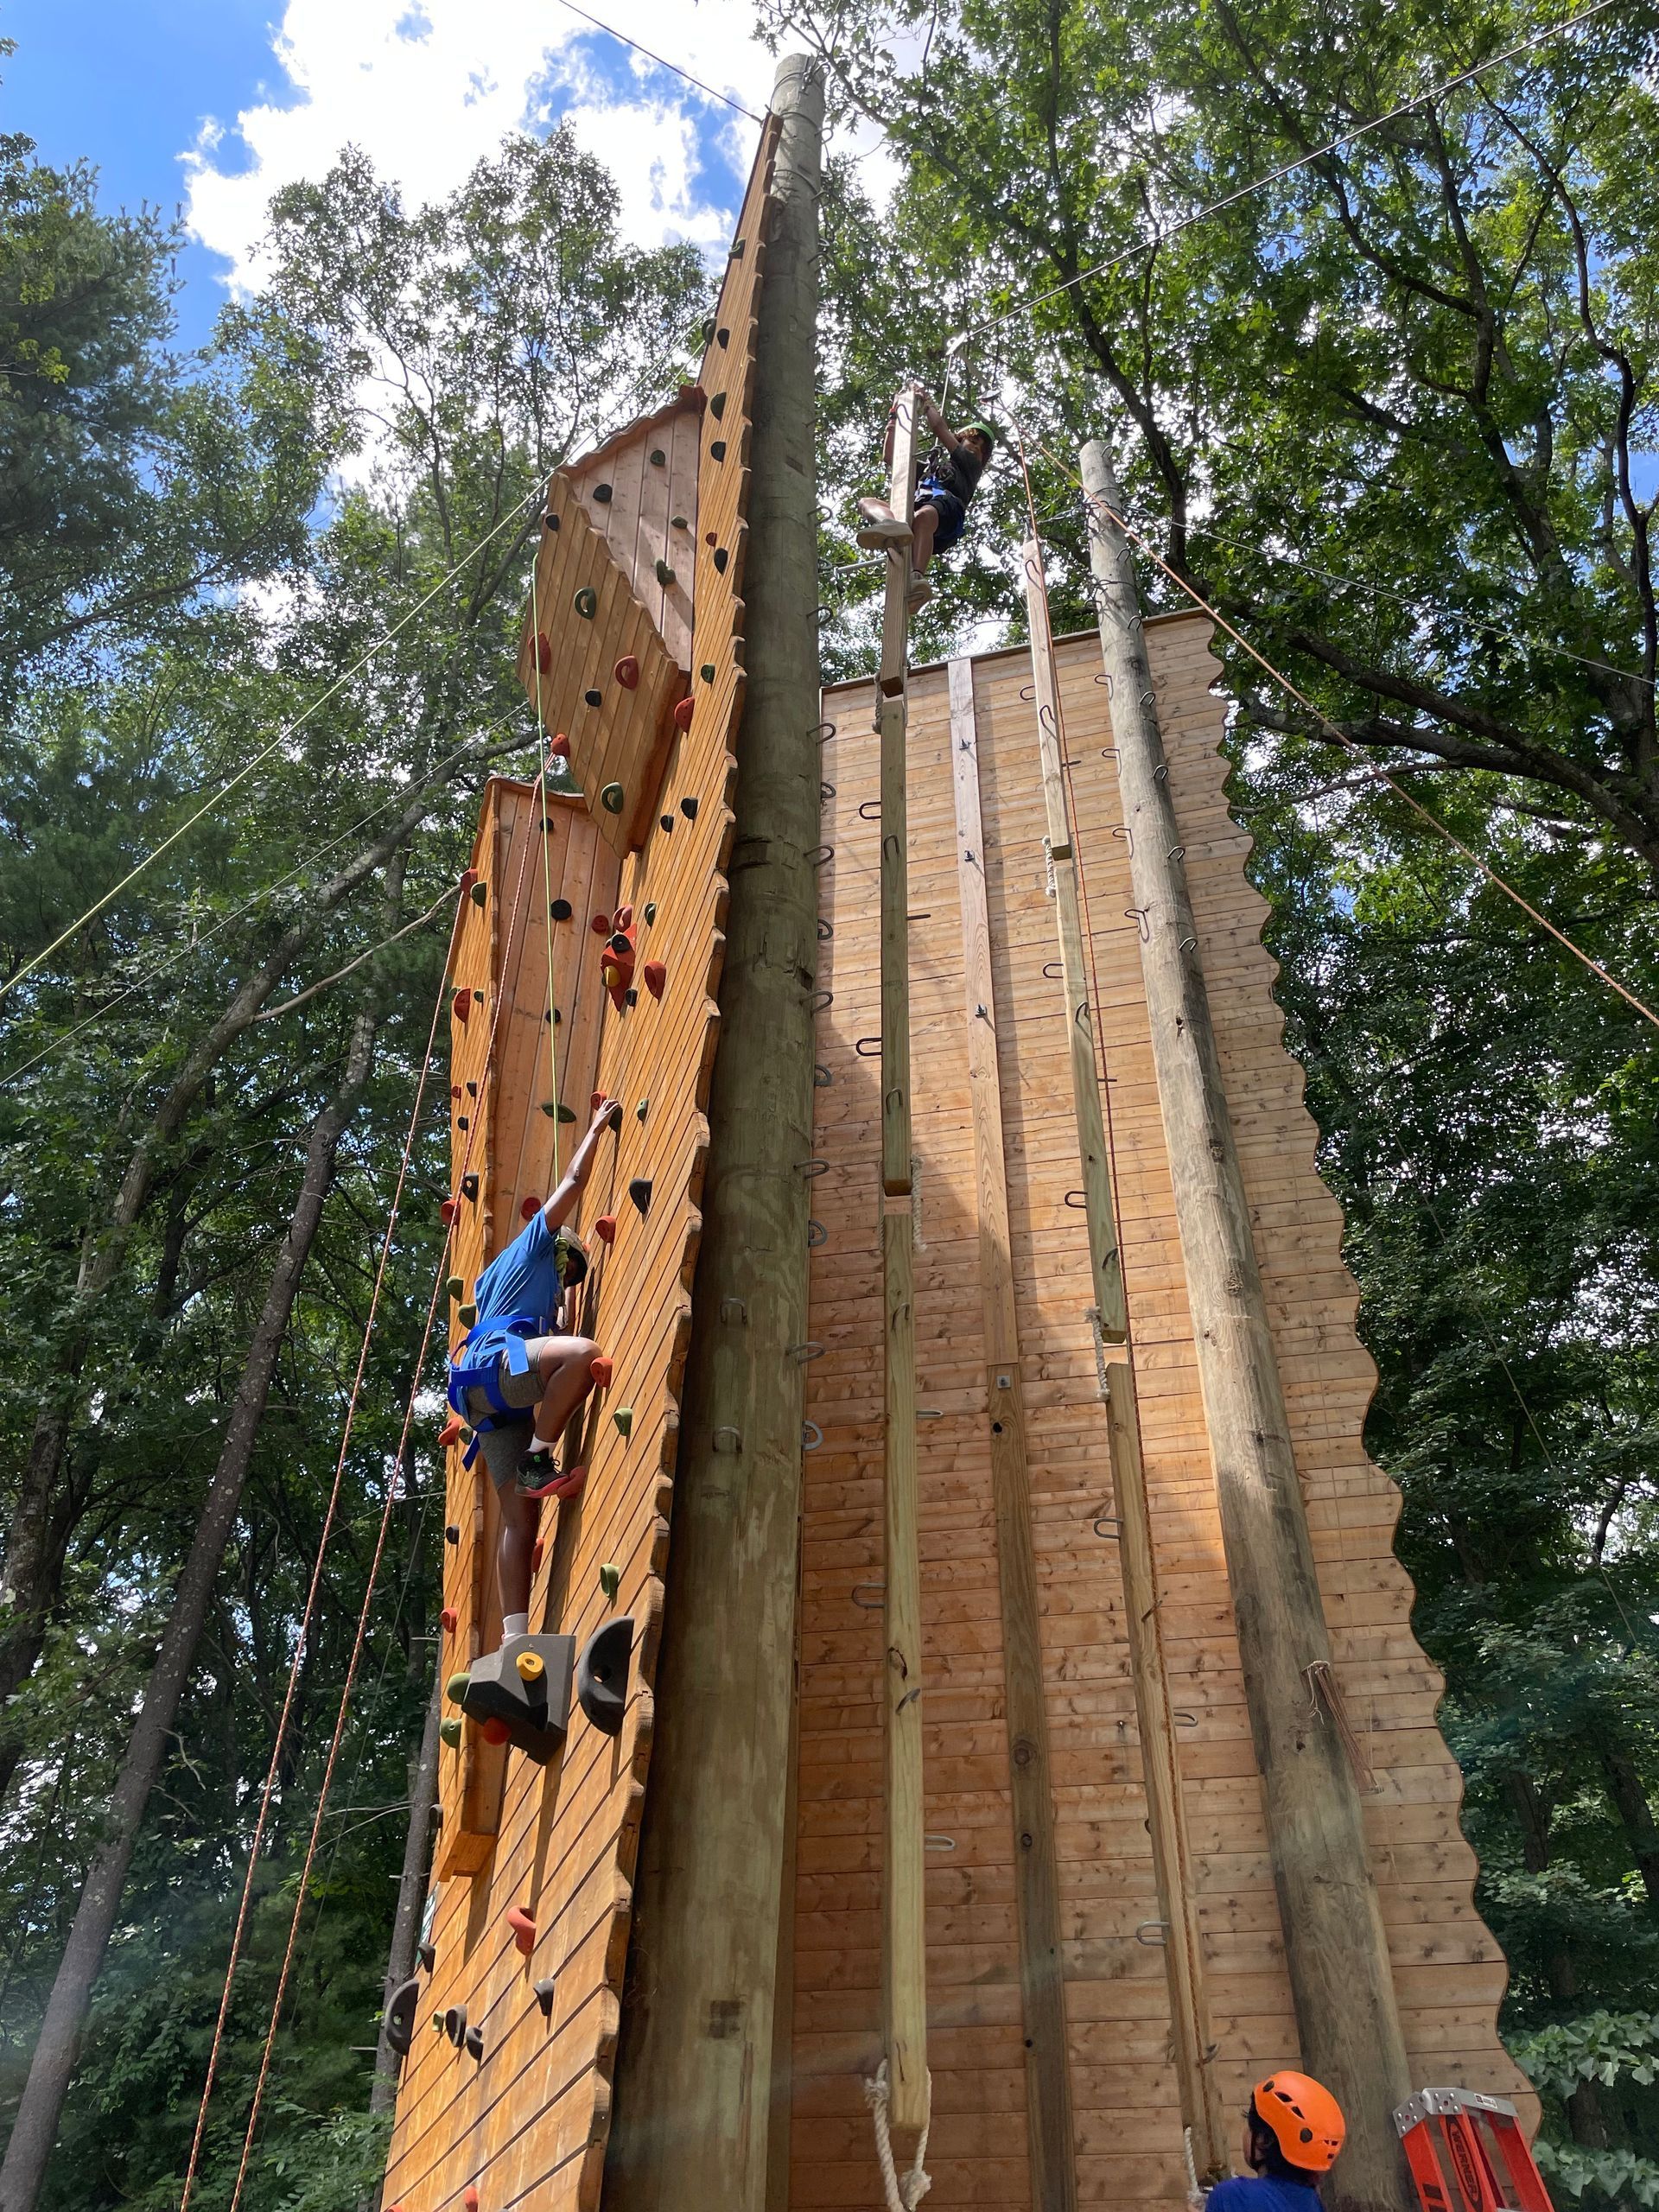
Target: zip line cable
{"x":1275,"y":176}
{"x":547,"y":862}
{"x":622,"y":39}
{"x":265,"y":753}
{"x":361,"y":1638}
{"x":1340,"y":737}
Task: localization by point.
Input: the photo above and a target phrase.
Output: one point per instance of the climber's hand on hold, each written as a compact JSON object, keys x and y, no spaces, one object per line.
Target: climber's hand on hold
{"x":607,"y":1114}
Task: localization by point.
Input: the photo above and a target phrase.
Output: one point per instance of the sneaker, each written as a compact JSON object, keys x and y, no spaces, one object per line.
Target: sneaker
{"x":879,"y":527}
{"x":539,"y":1475}
{"x":920,"y":591}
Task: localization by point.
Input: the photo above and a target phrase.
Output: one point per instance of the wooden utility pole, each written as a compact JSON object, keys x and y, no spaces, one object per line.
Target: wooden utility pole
{"x":1155,"y":1722}
{"x":695,"y":2101}
{"x":904,"y":1947}
{"x":1336,"y":1949}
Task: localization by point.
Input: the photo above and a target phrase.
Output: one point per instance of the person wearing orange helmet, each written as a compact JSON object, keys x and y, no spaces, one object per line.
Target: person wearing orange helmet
{"x":1294,"y":2129}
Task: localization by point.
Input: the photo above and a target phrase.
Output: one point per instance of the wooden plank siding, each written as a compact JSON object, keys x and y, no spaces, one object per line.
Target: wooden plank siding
{"x":527,"y":2123}
{"x":1447,"y":1969}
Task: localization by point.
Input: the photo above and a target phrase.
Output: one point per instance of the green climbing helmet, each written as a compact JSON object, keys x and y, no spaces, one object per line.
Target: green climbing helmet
{"x":985,"y":432}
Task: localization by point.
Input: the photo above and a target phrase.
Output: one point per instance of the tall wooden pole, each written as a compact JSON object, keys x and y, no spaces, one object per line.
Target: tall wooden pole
{"x":695,"y":2103}
{"x":904,"y":1947}
{"x":1335,"y":1945}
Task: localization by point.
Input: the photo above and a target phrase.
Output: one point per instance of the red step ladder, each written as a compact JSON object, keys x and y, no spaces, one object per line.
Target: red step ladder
{"x":1467,"y":2153}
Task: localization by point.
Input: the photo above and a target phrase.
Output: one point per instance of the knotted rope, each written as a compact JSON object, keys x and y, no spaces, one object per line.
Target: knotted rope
{"x":902,"y":2196}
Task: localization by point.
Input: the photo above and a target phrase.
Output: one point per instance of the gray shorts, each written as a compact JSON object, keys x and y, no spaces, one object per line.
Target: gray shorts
{"x":504,"y":1448}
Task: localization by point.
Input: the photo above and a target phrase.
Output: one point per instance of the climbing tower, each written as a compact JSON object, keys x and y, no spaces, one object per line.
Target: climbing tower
{"x":949,"y":1769}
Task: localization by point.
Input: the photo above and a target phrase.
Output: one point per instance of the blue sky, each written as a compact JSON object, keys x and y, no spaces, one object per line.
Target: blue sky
{"x":426,"y":89}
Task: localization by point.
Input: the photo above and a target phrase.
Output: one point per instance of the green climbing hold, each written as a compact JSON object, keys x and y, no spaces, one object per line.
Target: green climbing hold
{"x":465,"y":1315}
{"x":586,"y":602}
{"x":679,"y":522}
{"x":658,"y":458}
{"x":457,"y":1687}
{"x":566,"y":1113}
{"x":610,"y":1579}
{"x":449,"y":1729}
{"x":707,"y":672}
{"x":480,"y":892}
{"x":623,"y":1416}
{"x":453,"y":1288}
{"x":611,"y":798}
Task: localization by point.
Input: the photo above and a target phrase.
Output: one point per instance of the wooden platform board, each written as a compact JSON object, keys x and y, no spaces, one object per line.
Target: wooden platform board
{"x":526,"y":2124}
{"x":1448,"y":1971}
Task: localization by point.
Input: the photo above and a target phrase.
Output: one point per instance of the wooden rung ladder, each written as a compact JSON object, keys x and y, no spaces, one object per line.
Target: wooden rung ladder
{"x":903,"y":1937}
{"x":1467,"y":2154}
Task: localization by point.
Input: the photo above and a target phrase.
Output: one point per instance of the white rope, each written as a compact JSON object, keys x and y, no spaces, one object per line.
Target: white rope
{"x":902,"y":2196}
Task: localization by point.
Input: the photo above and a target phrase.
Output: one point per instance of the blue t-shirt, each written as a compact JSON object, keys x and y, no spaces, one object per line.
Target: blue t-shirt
{"x":1261,"y":2193}
{"x":524,"y":1279}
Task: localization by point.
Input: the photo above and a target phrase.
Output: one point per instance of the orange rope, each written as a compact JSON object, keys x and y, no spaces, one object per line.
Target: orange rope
{"x":380,"y":1541}
{"x":1342,"y":738}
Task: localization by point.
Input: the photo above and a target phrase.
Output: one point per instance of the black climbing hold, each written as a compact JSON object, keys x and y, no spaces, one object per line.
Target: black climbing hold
{"x":737,"y":249}
{"x":454,"y":2023}
{"x":452,"y":1534}
{"x":650,"y":912}
{"x":665,"y":823}
{"x":709,"y":331}
{"x":722,"y":557}
{"x":679,"y":522}
{"x":549,"y":522}
{"x":465,"y":1315}
{"x":689,"y":808}
{"x":469,"y":1186}
{"x":566,"y":1113}
{"x":665,"y":573}
{"x":400,"y":2015}
{"x":471,"y":1090}
{"x":602,"y":493}
{"x":586,"y":602}
{"x":544,"y":1990}
{"x":620,"y":945}
{"x":612,"y":797}
{"x":602,"y":1675}
{"x":593,"y":698}
{"x":428,"y":1956}
{"x":475,"y":2045}
{"x":640,"y":1192}
{"x":560,"y":910}
{"x":658,"y":458}
{"x":461,"y":1121}
{"x":717,"y":405}
{"x":717,"y":449}
{"x":722,"y":337}
{"x":632,"y":997}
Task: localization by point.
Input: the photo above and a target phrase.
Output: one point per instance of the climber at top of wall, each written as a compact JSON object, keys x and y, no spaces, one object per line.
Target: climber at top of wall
{"x":947,"y":479}
{"x":1294,"y":2129}
{"x":516,"y":1380}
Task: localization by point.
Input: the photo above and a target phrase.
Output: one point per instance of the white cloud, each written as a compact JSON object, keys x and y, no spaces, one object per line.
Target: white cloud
{"x":428,"y":87}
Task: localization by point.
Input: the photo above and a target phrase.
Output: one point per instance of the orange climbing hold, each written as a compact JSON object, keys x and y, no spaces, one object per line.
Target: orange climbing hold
{"x":560,"y":748}
{"x":682,"y":713}
{"x":605,"y":1229}
{"x":523,"y":1925}
{"x":543,"y":651}
{"x":463,"y":1005}
{"x":452,"y":1431}
{"x":656,"y":975}
{"x":470,"y":2201}
{"x":447,"y":1211}
{"x":626,"y":673}
{"x":602,"y":1369}
{"x":447,"y":1620}
{"x":469,"y":877}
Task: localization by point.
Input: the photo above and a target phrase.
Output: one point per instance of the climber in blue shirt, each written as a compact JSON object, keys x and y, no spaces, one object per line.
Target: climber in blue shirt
{"x":1294,"y":2129}
{"x":522,"y":1371}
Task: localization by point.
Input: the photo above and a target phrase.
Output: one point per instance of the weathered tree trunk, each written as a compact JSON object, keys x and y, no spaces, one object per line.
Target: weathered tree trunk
{"x":58,"y":2046}
{"x":1630,"y":1804}
{"x":48,"y":1508}
{"x":1584,"y":2115}
{"x":411,"y":1888}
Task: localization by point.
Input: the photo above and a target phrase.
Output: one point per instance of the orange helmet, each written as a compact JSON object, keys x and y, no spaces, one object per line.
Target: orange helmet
{"x":1304,"y":2118}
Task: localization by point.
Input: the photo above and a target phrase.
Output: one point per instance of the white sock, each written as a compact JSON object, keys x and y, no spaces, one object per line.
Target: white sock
{"x":541,"y":1443}
{"x":514,"y":1625}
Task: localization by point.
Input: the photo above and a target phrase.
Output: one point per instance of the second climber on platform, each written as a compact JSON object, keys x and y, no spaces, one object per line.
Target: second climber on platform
{"x":521,"y":1372}
{"x":1294,"y":2129}
{"x":946,"y":481}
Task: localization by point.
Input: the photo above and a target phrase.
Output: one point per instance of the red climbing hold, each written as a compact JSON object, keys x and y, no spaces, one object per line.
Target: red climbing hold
{"x":536,"y":1551}
{"x":523,"y":1925}
{"x":496,"y":1731}
{"x":447,"y":1620}
{"x":447,"y":1211}
{"x":469,"y":877}
{"x":602,"y":1367}
{"x":683,"y":714}
{"x":452,"y":1431}
{"x":569,"y":1486}
{"x":455,"y":1091}
{"x":600,"y":925}
{"x":624,"y":919}
{"x":656,"y":975}
{"x":605,"y":1229}
{"x":626,"y":673}
{"x":463,"y":1005}
{"x":543,"y":651}
{"x":470,"y":2201}
{"x":531,"y":1208}
{"x":595,"y":1102}
{"x":560,"y":749}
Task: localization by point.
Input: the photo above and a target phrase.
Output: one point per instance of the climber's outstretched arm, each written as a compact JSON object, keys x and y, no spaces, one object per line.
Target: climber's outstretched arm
{"x":562,"y":1204}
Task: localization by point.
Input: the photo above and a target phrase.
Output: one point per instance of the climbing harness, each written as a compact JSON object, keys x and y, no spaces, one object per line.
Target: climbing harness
{"x":477,"y":1366}
{"x":903,"y":2195}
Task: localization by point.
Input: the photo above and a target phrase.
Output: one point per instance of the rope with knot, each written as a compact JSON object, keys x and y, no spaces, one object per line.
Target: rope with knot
{"x":903,"y":2195}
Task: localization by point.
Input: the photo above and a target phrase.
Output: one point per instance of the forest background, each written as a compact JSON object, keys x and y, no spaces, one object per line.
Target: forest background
{"x":1393,"y":414}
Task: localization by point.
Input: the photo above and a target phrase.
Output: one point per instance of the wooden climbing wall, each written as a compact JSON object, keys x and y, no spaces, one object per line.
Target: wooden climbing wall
{"x":525,"y":2123}
{"x":640,"y":488}
{"x":1448,"y":1972}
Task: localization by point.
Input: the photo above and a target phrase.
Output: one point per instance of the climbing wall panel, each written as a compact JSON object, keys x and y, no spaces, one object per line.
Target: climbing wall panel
{"x":1448,"y":1972}
{"x":640,"y":488}
{"x":525,"y":2123}
{"x":595,"y":669}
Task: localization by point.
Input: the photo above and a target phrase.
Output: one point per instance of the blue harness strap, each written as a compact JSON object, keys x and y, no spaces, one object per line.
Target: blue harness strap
{"x":477,"y":1366}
